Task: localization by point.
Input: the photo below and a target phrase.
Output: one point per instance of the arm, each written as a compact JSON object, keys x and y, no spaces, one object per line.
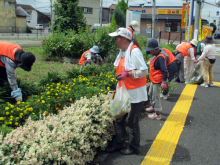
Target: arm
{"x":204,"y":54}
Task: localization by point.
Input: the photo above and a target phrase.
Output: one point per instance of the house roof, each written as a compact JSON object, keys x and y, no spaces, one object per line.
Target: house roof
{"x":21,"y":12}
{"x":112,"y":6}
{"x":26,"y":7}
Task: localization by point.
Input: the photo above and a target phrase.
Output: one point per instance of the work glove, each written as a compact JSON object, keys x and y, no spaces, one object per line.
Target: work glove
{"x":122,"y":76}
{"x":18,"y":98}
{"x":164,"y":85}
{"x":102,"y":62}
{"x":17,"y":94}
{"x":196,"y":61}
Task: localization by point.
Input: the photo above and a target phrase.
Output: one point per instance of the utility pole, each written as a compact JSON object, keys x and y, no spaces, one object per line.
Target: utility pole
{"x":153,"y":20}
{"x":190,"y":19}
{"x":197,"y":19}
{"x":51,"y":12}
{"x":101,"y":14}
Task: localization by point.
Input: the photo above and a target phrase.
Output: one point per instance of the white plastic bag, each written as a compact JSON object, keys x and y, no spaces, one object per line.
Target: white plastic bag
{"x":121,"y":104}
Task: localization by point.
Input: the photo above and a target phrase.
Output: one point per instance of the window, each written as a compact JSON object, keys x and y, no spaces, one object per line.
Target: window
{"x":9,"y":3}
{"x":168,"y":26}
{"x":87,"y":10}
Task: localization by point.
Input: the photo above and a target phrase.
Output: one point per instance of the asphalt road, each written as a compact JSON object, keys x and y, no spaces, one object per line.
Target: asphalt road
{"x":198,"y":143}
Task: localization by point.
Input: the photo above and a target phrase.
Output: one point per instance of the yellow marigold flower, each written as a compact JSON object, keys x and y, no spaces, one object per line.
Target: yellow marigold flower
{"x":43,"y":101}
{"x":11,"y":119}
{"x":11,"y":111}
{"x":1,"y":118}
{"x":48,"y":87}
{"x":6,"y":108}
{"x":71,"y":99}
{"x":11,"y":116}
{"x":56,"y":94}
{"x":21,"y":113}
{"x":12,"y":106}
{"x":49,"y":105}
{"x":16,"y":123}
{"x":11,"y":129}
{"x":48,"y":92}
{"x":10,"y":123}
{"x":46,"y":112}
{"x":17,"y":118}
{"x":7,"y":113}
{"x":38,"y":101}
{"x":4,"y":125}
{"x":108,"y":88}
{"x":33,"y":113}
{"x":101,"y":93}
{"x":18,"y":102}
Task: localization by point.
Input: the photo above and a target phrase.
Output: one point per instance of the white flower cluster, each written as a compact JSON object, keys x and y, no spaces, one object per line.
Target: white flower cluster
{"x":71,"y":137}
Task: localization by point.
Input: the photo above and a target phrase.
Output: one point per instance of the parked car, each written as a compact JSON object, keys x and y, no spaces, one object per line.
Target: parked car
{"x":39,"y":26}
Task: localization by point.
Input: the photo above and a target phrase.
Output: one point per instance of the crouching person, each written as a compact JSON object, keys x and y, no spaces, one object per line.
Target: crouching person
{"x":11,"y":57}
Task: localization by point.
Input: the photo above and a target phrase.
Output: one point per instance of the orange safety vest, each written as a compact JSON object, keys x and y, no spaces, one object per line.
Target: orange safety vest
{"x":156,"y":76}
{"x":8,"y":49}
{"x":170,"y":55}
{"x":83,"y":59}
{"x":130,"y":83}
{"x":183,"y":49}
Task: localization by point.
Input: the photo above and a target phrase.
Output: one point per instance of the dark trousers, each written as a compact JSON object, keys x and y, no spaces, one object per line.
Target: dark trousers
{"x":3,"y":76}
{"x":172,"y":69}
{"x":134,"y":128}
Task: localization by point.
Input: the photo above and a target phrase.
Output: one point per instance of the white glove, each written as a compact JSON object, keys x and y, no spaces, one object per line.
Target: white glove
{"x":18,"y":98}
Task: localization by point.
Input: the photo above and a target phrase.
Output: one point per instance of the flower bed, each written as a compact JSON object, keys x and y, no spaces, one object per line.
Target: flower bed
{"x":71,"y":137}
{"x":55,"y":97}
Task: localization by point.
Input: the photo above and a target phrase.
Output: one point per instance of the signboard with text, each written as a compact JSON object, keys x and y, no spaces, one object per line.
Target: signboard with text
{"x":185,"y":15}
{"x":131,"y":15}
{"x":169,"y":11}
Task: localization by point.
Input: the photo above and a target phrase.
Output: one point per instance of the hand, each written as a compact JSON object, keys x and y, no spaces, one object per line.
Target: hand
{"x":196,"y":61}
{"x":122,"y":76}
{"x":18,"y":98}
{"x":164,"y":85}
{"x":102,"y":62}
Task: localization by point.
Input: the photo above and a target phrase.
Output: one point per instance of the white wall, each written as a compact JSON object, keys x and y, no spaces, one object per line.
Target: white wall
{"x":33,"y":19}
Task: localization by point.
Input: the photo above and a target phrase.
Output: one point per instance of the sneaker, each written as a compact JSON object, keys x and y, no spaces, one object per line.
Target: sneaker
{"x":204,"y":85}
{"x":161,"y":95}
{"x":150,"y":109}
{"x":211,"y":84}
{"x":155,"y":116}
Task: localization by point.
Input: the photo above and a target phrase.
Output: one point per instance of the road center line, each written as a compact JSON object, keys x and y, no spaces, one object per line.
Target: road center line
{"x":163,"y":147}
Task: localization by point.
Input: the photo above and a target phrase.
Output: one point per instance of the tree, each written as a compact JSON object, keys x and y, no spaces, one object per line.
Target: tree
{"x":68,"y":15}
{"x":119,"y":15}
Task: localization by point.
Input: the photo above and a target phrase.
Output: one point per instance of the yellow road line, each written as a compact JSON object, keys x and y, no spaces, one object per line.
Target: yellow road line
{"x":217,"y":54}
{"x":163,"y":147}
{"x":217,"y":84}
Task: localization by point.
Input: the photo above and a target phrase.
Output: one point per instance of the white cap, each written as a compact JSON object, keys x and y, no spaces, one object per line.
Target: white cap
{"x":194,"y":42}
{"x":134,"y":25}
{"x":123,"y":32}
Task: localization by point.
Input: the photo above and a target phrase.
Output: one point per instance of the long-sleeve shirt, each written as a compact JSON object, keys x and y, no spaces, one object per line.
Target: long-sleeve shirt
{"x":159,"y":64}
{"x":10,"y":67}
{"x":190,"y":51}
{"x":209,"y":52}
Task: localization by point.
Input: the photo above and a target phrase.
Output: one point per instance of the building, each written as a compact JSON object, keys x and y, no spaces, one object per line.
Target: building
{"x":12,"y":17}
{"x":167,"y":18}
{"x":35,"y":17}
{"x":91,"y":9}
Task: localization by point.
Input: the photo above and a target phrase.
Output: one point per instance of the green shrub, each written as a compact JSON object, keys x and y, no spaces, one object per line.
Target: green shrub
{"x":5,"y":130}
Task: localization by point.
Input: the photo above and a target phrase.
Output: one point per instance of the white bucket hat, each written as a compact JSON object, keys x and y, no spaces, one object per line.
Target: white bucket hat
{"x":123,"y":32}
{"x":134,"y":25}
{"x":194,"y":42}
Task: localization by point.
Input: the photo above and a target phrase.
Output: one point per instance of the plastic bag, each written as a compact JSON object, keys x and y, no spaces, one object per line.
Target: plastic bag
{"x":196,"y":77}
{"x":121,"y":104}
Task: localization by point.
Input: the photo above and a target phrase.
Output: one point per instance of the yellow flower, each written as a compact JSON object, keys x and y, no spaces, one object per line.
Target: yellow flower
{"x":11,"y":119}
{"x":11,"y":116}
{"x":11,"y":129}
{"x":38,"y":101}
{"x":56,"y":94}
{"x":17,"y":118}
{"x":101,"y":93}
{"x":48,"y":92}
{"x":71,"y":99}
{"x":46,"y":112}
{"x":16,"y":123}
{"x":18,"y":102}
{"x":49,"y":105}
{"x":43,"y":101}
{"x":33,"y":113}
{"x":6,"y":108}
{"x":10,"y":123}
{"x":12,"y":106}
{"x":1,"y":118}
{"x":41,"y":97}
{"x":7,"y":113}
{"x":108,"y":88}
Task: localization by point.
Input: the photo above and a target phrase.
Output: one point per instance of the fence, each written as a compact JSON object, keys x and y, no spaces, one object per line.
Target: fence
{"x":171,"y":37}
{"x":22,"y":32}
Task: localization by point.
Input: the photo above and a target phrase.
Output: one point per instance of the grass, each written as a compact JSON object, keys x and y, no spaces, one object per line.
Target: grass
{"x":40,"y":68}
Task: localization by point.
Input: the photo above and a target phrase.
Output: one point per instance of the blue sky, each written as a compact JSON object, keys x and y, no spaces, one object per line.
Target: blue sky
{"x":44,"y":5}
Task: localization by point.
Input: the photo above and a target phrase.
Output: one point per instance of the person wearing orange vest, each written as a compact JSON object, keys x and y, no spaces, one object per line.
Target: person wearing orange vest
{"x":11,"y":57}
{"x":133,"y":27}
{"x":172,"y":68}
{"x":158,"y":77}
{"x":132,"y":70}
{"x":186,"y":55}
{"x":90,"y":56}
